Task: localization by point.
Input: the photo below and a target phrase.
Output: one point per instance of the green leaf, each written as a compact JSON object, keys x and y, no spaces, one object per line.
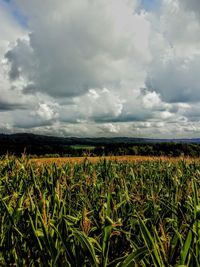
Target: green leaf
{"x":186,"y":248}
{"x":151,"y":245}
{"x":87,"y":246}
{"x":136,"y":256}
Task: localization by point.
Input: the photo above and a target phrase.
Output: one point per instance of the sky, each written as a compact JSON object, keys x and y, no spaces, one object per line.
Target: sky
{"x":94,"y":68}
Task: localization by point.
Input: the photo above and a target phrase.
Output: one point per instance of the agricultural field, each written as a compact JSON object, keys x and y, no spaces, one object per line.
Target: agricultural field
{"x":126,"y":158}
{"x":106,"y":212}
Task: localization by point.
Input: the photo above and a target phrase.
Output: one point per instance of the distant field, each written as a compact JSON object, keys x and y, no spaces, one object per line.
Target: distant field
{"x":112,"y":158}
{"x":83,"y":146}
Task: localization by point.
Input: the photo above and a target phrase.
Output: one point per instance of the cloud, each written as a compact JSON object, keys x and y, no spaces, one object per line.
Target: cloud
{"x":98,"y":104}
{"x":9,"y":29}
{"x":192,"y":5}
{"x":78,"y":46}
{"x":151,"y":100}
{"x":173,"y":73}
{"x":46,"y":112}
{"x":177,"y":80}
{"x":100,"y":68}
{"x":4,"y":106}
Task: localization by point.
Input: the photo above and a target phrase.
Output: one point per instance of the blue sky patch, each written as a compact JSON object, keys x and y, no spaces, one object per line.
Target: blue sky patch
{"x":19,"y":17}
{"x":7,"y":1}
{"x":150,"y":4}
{"x":23,"y":21}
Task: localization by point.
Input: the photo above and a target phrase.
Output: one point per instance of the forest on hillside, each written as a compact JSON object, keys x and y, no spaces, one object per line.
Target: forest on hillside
{"x":58,"y":147}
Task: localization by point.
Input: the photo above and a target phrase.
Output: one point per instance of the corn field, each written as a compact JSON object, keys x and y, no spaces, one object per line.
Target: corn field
{"x":102,"y":214}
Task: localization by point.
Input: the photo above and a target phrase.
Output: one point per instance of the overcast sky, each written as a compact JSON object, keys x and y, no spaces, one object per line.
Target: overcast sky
{"x":100,"y":67}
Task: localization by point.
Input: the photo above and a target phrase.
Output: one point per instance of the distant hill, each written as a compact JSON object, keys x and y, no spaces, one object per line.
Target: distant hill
{"x":27,"y":138}
{"x":41,"y":145}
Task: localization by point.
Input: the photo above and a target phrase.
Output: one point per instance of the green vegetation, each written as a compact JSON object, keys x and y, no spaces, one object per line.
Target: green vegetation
{"x":83,"y":146}
{"x":103,"y":214}
{"x":46,"y":146}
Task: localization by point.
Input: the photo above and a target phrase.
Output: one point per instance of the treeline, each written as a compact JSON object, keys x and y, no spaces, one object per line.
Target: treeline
{"x":144,"y":149}
{"x":157,"y":149}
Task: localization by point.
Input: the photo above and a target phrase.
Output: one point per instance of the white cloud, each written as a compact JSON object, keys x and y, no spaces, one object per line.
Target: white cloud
{"x":110,"y":128}
{"x":99,"y":104}
{"x":176,"y":46}
{"x":46,"y":112}
{"x":9,"y":29}
{"x":80,"y":45}
{"x":151,"y":100}
{"x":100,"y":68}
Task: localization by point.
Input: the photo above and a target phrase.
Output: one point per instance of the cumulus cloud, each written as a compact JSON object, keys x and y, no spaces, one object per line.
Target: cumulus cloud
{"x":174,"y":70}
{"x":192,"y":5}
{"x":99,"y":105}
{"x":78,"y":46}
{"x":151,"y":100}
{"x":177,"y":80}
{"x":9,"y":30}
{"x":95,"y":68}
{"x":46,"y":112}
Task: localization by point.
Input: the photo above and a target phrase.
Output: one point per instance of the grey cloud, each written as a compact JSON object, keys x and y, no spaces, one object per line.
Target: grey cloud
{"x":177,"y":80}
{"x":31,"y":124}
{"x":5,"y":106}
{"x":29,"y":120}
{"x":81,"y":68}
{"x":174,"y":70}
{"x":87,"y":45}
{"x":192,"y":113}
{"x":123,"y":118}
{"x":14,"y":72}
{"x":192,"y":5}
{"x":103,"y":105}
{"x":22,"y":61}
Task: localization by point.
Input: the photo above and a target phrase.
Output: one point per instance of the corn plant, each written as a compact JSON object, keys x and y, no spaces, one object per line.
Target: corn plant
{"x":107,"y":213}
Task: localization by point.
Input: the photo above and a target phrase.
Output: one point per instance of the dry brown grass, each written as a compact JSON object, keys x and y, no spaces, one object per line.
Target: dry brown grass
{"x":64,"y":160}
